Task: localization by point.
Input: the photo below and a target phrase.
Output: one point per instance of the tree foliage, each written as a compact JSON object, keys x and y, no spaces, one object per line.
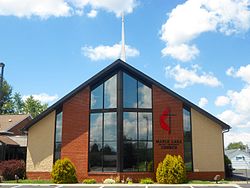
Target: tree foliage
{"x":33,"y":106}
{"x":6,"y":102}
{"x":237,"y":145}
{"x":14,"y":104}
{"x":18,"y":103}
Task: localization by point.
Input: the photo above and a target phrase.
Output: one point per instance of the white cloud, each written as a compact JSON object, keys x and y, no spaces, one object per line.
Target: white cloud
{"x":243,"y":72}
{"x":92,"y":14}
{"x":202,"y":102}
{"x":28,"y":8}
{"x":192,"y":18}
{"x":102,"y":52}
{"x":115,"y":6}
{"x":57,"y":8}
{"x":237,"y":114}
{"x":222,"y":101}
{"x":43,"y":97}
{"x":236,"y":137}
{"x":230,"y":71}
{"x":182,"y":52}
{"x":187,"y":77}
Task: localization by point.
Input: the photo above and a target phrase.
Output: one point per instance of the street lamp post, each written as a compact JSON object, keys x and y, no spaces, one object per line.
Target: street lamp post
{"x":1,"y":80}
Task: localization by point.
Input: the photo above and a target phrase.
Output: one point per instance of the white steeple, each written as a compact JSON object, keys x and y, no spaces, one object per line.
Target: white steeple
{"x":123,"y":54}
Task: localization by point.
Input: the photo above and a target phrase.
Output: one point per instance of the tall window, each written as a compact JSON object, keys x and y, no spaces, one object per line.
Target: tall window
{"x":187,"y":139}
{"x":130,"y":120}
{"x":137,"y":141}
{"x":58,"y":135}
{"x":137,"y":125}
{"x":103,"y":127}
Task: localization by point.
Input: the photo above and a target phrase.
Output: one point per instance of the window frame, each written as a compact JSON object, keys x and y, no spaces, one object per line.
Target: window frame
{"x":58,"y":111}
{"x":191,"y":135}
{"x":119,"y":115}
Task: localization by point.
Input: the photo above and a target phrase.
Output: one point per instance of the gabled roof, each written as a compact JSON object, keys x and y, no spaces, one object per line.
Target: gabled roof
{"x":120,"y":65}
{"x":7,"y":121}
{"x":231,"y":153}
{"x":8,"y":141}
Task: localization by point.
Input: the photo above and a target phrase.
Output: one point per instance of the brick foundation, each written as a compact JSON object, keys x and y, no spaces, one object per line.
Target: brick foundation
{"x":204,"y":175}
{"x":38,"y":175}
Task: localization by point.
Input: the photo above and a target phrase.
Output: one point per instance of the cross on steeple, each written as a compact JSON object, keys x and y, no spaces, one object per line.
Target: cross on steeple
{"x":123,"y":54}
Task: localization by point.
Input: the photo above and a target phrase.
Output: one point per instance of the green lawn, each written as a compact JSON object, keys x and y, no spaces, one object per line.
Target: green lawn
{"x":30,"y":181}
{"x":207,"y":182}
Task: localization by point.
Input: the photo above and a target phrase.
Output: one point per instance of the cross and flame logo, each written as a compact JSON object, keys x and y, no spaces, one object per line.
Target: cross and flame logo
{"x":166,"y":114}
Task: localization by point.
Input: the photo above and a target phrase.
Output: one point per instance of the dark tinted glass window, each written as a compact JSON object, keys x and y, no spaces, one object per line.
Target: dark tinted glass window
{"x":144,"y":96}
{"x":97,"y":97}
{"x":95,"y":156}
{"x":187,"y":139}
{"x":110,"y":126}
{"x":130,"y":126}
{"x":110,"y":92}
{"x":96,"y":127}
{"x":109,"y":156}
{"x":59,"y":127}
{"x":58,"y":136}
{"x":137,"y":146}
{"x":129,"y":91}
{"x":134,"y":127}
{"x":103,"y":127}
{"x":130,"y":156}
{"x":145,"y":125}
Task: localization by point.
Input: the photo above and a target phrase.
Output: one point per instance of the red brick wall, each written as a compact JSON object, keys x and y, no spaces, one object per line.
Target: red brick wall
{"x":75,"y":131}
{"x":161,"y":101}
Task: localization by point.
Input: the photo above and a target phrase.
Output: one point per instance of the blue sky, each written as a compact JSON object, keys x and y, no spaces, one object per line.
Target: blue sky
{"x":199,"y":49}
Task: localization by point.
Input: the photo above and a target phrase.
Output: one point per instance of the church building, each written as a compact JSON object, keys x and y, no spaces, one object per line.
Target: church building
{"x":122,"y":123}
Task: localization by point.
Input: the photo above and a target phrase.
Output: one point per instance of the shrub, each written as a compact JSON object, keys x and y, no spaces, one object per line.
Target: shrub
{"x":117,"y":179}
{"x":129,"y":180}
{"x":109,"y":181}
{"x":89,"y":181}
{"x":64,"y":172}
{"x":171,"y":170}
{"x":146,"y":181}
{"x":8,"y":169}
{"x":228,"y":167}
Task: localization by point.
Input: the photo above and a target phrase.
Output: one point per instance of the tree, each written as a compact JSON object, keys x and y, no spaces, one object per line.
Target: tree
{"x":237,"y":145}
{"x":34,"y":107}
{"x":6,"y":103}
{"x":18,"y":104}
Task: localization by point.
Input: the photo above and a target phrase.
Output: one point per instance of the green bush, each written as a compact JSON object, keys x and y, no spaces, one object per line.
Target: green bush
{"x":89,"y":181}
{"x":171,"y":170}
{"x":146,"y":181}
{"x":64,"y":172}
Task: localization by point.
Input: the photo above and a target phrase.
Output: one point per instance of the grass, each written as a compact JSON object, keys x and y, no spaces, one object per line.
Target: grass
{"x":28,"y":181}
{"x":207,"y":182}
